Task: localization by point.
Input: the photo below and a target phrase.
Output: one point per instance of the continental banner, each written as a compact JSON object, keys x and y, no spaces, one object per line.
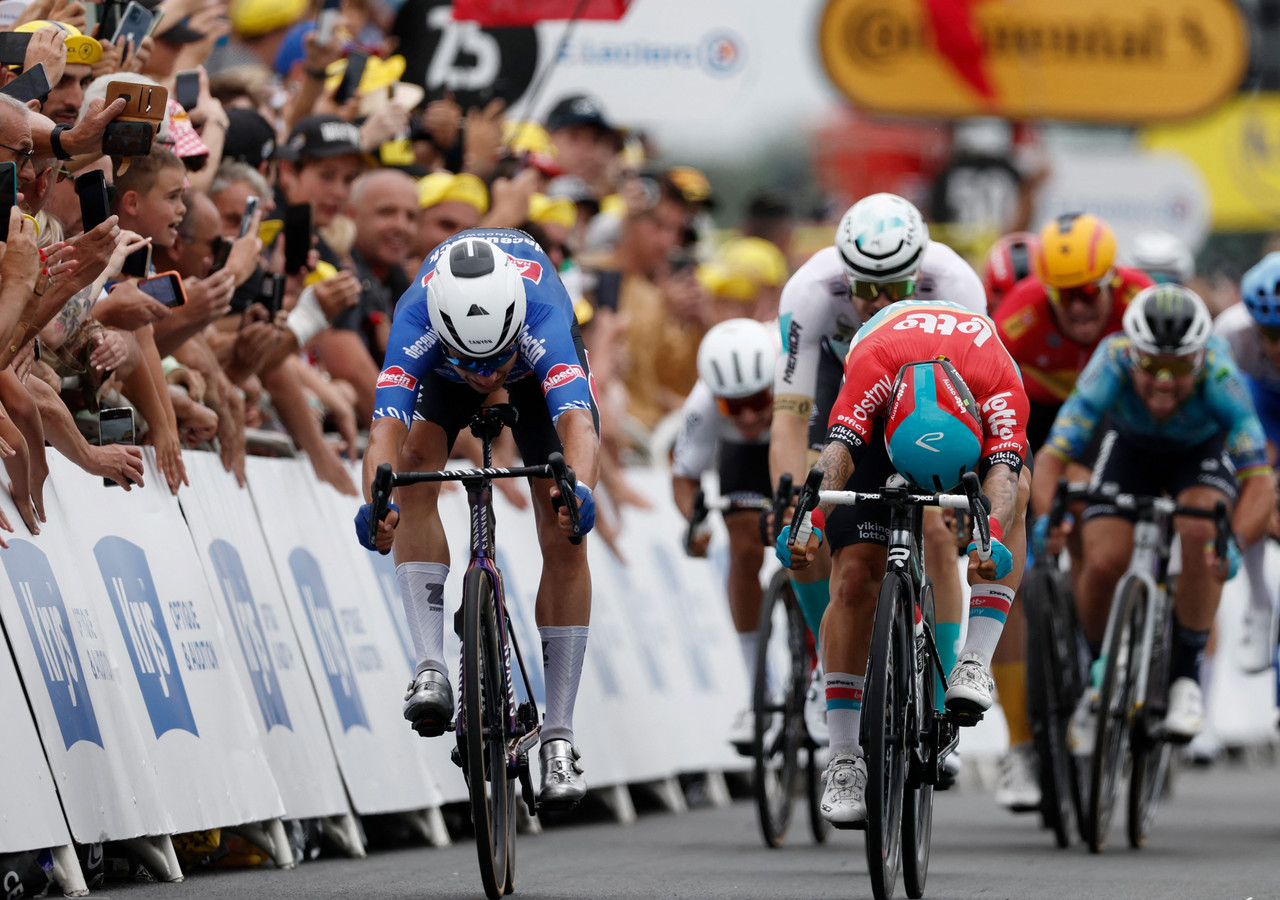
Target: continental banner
{"x":1083,"y":60}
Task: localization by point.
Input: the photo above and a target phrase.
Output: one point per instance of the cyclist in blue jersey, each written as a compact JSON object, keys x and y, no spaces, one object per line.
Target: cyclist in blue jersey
{"x":1179,"y":421}
{"x":486,"y":312}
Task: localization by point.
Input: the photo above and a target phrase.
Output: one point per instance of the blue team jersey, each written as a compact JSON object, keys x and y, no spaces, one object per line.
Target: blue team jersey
{"x":546,"y":346}
{"x":1219,"y":404}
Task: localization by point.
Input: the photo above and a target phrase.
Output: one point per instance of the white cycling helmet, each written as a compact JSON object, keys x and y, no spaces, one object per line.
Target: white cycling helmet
{"x":736,"y":358}
{"x":1168,"y":319}
{"x":1163,"y":256}
{"x":882,"y":238}
{"x":475,"y":299}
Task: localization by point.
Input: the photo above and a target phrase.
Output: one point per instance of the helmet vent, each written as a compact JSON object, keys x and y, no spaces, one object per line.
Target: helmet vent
{"x":471,"y":259}
{"x":475,"y":310}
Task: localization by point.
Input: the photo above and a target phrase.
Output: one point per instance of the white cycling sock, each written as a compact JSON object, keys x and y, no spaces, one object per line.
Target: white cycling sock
{"x":422,"y":592}
{"x":749,"y":642}
{"x":1259,"y":594}
{"x":563,"y":649}
{"x":844,"y":712}
{"x":988,"y":608}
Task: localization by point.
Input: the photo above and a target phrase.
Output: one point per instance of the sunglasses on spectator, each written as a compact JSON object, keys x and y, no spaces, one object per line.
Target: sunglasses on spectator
{"x":1165,"y":365}
{"x":482,"y":367}
{"x":894,"y":290}
{"x":1085,"y":293}
{"x":736,"y":406}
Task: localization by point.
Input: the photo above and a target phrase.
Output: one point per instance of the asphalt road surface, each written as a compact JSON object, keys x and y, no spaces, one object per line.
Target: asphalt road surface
{"x":1218,"y":836}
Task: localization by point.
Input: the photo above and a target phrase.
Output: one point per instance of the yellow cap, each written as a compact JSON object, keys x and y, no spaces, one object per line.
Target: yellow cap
{"x":725,"y":284}
{"x":527,"y":137}
{"x":268,"y":230}
{"x":379,"y":74}
{"x":82,"y":50}
{"x":556,"y":210}
{"x":441,"y":187}
{"x":756,"y":257}
{"x":322,"y":272}
{"x":251,"y":18}
{"x":613,"y":205}
{"x":693,"y":185}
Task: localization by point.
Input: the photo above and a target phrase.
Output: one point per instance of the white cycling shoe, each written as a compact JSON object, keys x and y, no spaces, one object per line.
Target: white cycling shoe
{"x":1185,"y":717}
{"x":1018,"y":782}
{"x":969,"y":689}
{"x":742,"y":733}
{"x":1258,"y":641}
{"x":844,"y":790}
{"x":1082,"y":730}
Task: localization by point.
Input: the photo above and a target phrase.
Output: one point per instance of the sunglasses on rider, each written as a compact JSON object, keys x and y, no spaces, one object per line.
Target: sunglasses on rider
{"x":735,"y":406}
{"x":1085,"y":293}
{"x":1270,"y":332}
{"x":894,"y":290}
{"x":482,"y":367}
{"x":1166,"y":366}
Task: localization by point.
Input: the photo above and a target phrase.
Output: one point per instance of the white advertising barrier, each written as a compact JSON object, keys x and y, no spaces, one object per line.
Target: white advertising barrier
{"x":247,"y":597}
{"x":210,"y":762}
{"x":30,"y":817}
{"x":382,"y":761}
{"x":520,"y":562}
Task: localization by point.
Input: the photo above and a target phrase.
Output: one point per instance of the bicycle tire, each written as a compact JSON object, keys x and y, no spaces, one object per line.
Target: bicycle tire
{"x":883,"y":733}
{"x":917,"y":805}
{"x":815,"y":765}
{"x":1115,"y":708}
{"x":1147,"y":746}
{"x":778,"y":722}
{"x":485,"y":707}
{"x":1047,"y":688}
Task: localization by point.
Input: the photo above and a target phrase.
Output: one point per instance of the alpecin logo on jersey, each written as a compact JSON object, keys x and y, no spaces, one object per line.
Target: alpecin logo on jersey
{"x":394,"y":376}
{"x":528,"y":268}
{"x":427,"y":277}
{"x":561,"y":374}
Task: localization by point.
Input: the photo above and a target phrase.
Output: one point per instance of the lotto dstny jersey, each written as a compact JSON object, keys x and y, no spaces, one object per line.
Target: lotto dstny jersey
{"x":913,"y":331}
{"x":1219,"y":404}
{"x":546,"y":347}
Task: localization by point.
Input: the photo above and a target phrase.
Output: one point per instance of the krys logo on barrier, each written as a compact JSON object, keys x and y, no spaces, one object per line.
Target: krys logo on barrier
{"x":51,"y":635}
{"x":1090,"y":60}
{"x":133,"y":596}
{"x":248,"y":627}
{"x":333,"y":649}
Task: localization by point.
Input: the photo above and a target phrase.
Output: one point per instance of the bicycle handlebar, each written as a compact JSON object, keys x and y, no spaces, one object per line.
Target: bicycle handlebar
{"x":566,"y":481}
{"x":1145,"y":505}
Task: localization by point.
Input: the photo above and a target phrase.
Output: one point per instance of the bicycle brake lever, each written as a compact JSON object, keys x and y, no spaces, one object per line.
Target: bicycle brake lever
{"x":381,"y":496}
{"x":979,"y":507}
{"x":806,"y":503}
{"x":565,"y":479}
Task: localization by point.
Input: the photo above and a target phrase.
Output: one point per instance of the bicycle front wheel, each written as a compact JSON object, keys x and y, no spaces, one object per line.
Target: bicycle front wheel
{"x":484,"y":688}
{"x":917,"y":814}
{"x":1115,"y":709}
{"x":778,"y":703}
{"x":884,"y":726}
{"x":1149,"y":749}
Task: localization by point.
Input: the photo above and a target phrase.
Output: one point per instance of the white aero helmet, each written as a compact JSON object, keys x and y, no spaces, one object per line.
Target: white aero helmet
{"x":736,"y":358}
{"x":475,"y":299}
{"x":1163,"y":256}
{"x":1168,"y":319}
{"x":882,"y":238}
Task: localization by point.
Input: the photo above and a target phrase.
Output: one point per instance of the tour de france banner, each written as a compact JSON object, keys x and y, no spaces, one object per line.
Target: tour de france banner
{"x":351,"y":660}
{"x":270,"y":664}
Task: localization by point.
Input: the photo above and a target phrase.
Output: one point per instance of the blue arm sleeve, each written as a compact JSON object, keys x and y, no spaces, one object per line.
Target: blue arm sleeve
{"x":412,"y":351}
{"x":565,"y":381}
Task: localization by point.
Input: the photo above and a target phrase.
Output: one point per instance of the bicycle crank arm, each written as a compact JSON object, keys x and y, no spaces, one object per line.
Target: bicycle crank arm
{"x":520,"y":745}
{"x":526,"y":784}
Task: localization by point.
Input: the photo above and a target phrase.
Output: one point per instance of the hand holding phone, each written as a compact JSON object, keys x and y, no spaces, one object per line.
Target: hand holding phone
{"x":32,"y":84}
{"x":350,"y":83}
{"x":135,"y":24}
{"x":246,"y":219}
{"x":115,"y":426}
{"x":186,"y":89}
{"x":165,"y":287}
{"x":297,"y":237}
{"x":95,"y":205}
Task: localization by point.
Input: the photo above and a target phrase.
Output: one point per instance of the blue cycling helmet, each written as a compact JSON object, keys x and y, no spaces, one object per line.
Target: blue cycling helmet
{"x":932,"y":431}
{"x":1260,"y":291}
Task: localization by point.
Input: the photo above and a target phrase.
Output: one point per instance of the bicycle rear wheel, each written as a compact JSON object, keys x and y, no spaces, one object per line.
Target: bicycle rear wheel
{"x":884,"y":724}
{"x":917,"y":812}
{"x":1115,"y":710}
{"x":1149,"y":749}
{"x":484,"y":686}
{"x":778,"y":703}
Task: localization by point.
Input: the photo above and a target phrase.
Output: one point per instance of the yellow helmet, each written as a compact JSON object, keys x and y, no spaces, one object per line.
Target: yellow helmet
{"x":81,"y":49}
{"x":1075,"y":249}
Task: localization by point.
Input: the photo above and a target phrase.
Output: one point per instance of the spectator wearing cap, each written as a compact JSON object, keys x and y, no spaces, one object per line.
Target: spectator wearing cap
{"x":259,"y":28}
{"x":744,"y":279}
{"x":585,"y":141}
{"x":251,"y":139}
{"x":318,"y":164}
{"x":62,"y":105}
{"x":449,"y":203}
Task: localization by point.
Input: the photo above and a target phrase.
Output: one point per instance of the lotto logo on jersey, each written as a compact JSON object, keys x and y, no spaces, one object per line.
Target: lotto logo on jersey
{"x":397,"y":377}
{"x":561,"y":374}
{"x":1001,"y":417}
{"x":528,"y":268}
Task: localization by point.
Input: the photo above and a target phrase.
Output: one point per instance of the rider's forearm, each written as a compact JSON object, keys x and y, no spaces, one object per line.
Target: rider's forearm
{"x":684,"y":490}
{"x":836,"y":464}
{"x":1048,"y":468}
{"x":1001,"y":488}
{"x":1253,"y":509}
{"x":386,"y":436}
{"x":581,"y":445}
{"x":788,"y":447}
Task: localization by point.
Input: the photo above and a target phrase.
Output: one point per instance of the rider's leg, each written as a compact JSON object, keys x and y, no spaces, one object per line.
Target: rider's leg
{"x":846,"y":640}
{"x":1196,"y":601}
{"x":940,"y":561}
{"x":421,"y":551}
{"x":1107,"y":544}
{"x":746,"y":554}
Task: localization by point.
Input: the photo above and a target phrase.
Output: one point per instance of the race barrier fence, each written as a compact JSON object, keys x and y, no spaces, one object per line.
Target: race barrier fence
{"x":231,"y":658}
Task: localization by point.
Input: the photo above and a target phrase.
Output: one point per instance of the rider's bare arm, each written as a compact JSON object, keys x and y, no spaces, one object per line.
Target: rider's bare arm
{"x":1253,"y":509}
{"x":836,"y":464}
{"x":789,"y":437}
{"x":577,"y":431}
{"x":1001,"y":488}
{"x":386,"y":437}
{"x":684,"y":490}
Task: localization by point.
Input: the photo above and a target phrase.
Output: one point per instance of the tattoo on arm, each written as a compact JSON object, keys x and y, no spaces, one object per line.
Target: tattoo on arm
{"x":837,"y":465}
{"x":1001,"y":488}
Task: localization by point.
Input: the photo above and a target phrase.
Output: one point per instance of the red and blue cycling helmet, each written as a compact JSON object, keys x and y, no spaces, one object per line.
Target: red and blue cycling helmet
{"x":932,"y":431}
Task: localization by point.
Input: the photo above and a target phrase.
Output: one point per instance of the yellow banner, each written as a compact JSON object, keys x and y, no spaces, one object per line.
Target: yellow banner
{"x":1237,"y":148}
{"x":1086,"y":60}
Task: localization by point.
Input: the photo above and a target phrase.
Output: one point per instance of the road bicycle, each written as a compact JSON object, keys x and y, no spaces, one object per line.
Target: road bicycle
{"x":904,"y":737}
{"x":494,"y":732}
{"x":786,"y":656}
{"x":1057,"y":666}
{"x":1136,"y":649}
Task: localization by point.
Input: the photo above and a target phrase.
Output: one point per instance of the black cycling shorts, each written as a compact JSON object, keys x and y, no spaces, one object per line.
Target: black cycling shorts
{"x":1127,"y":468}
{"x":864,"y":523}
{"x":451,"y":405}
{"x":744,"y":469}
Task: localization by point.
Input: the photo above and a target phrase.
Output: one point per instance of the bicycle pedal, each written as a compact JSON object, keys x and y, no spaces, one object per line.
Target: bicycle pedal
{"x":429,"y":728}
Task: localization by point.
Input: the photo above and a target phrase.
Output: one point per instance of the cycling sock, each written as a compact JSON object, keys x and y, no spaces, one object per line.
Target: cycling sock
{"x":813,"y":599}
{"x":1188,"y":650}
{"x":749,"y":642}
{"x":563,"y":648}
{"x":844,"y":712}
{"x":1011,"y":685}
{"x":422,"y":592}
{"x":988,"y":608}
{"x":1253,"y":558}
{"x":947,"y":637}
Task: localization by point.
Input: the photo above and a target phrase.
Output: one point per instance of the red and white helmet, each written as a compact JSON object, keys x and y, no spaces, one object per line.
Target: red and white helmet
{"x":1009,"y":260}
